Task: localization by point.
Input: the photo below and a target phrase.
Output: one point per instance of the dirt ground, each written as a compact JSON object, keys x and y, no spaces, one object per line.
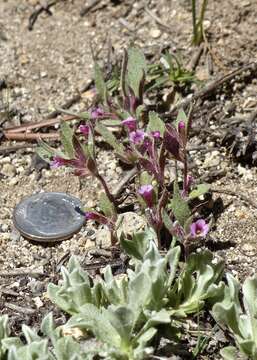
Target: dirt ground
{"x":45,"y":67}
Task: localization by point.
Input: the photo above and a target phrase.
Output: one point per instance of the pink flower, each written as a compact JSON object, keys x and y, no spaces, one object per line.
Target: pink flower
{"x":187,"y":185}
{"x":199,"y":228}
{"x":147,"y":192}
{"x":182,"y":132}
{"x":130,"y":123}
{"x":84,"y":129}
{"x":57,"y":162}
{"x":172,"y":142}
{"x":81,"y":164}
{"x":96,"y":113}
{"x":181,"y":126}
{"x":156,"y":134}
{"x":137,"y":136}
{"x":91,"y":215}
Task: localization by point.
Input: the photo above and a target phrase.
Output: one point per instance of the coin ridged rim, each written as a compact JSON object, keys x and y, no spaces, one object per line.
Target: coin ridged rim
{"x":53,"y":238}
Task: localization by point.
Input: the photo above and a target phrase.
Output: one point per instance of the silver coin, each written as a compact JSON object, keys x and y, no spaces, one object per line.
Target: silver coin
{"x":48,"y":216}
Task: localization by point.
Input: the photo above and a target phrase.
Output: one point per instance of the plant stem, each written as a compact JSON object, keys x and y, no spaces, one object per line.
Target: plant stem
{"x":185,"y":170}
{"x":203,"y":8}
{"x":194,"y":21}
{"x":106,"y":189}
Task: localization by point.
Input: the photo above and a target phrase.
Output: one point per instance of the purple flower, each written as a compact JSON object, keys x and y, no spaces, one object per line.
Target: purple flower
{"x":178,"y":230}
{"x":81,"y":164}
{"x":96,"y":113}
{"x":130,"y":123}
{"x":187,"y":185}
{"x":147,"y":192}
{"x":181,"y":126}
{"x":199,"y":228}
{"x":93,"y":215}
{"x":137,"y":136}
{"x":172,"y":142}
{"x":84,"y":129}
{"x":57,"y":162}
{"x":156,"y":134}
{"x":182,"y":132}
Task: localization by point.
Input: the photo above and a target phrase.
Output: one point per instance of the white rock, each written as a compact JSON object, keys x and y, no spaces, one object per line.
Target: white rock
{"x":8,"y":170}
{"x":13,"y":181}
{"x":155,"y":33}
{"x":130,"y":223}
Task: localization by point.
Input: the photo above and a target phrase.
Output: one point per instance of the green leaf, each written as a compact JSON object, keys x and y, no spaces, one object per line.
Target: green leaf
{"x":229,"y":353}
{"x":111,"y":122}
{"x":110,"y":138}
{"x":106,"y":205}
{"x":136,"y":69}
{"x":46,"y":152}
{"x":139,"y":111}
{"x":201,"y":189}
{"x":122,"y":319}
{"x":66,"y":138}
{"x":250,"y":297}
{"x":29,"y":334}
{"x":100,"y":83}
{"x":145,"y":178}
{"x":47,"y":325}
{"x":181,"y":117}
{"x":66,"y":348}
{"x":9,"y":342}
{"x":91,"y":318}
{"x":155,"y":123}
{"x":173,"y":259}
{"x":179,"y":206}
{"x":167,"y":221}
{"x":137,"y":246}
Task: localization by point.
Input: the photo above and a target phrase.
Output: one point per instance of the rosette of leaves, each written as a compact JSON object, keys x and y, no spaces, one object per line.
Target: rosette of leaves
{"x":125,"y":313}
{"x":239,"y":316}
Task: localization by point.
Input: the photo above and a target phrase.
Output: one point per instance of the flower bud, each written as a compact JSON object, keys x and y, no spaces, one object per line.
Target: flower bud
{"x":136,"y":137}
{"x":147,"y":193}
{"x":130,"y":123}
{"x":84,"y":129}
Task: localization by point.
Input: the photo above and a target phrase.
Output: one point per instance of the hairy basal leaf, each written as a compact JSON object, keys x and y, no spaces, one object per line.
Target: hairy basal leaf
{"x":110,"y":138}
{"x":155,"y":123}
{"x":66,"y":139}
{"x":136,"y":69}
{"x":100,"y":83}
{"x":201,"y":189}
{"x":179,"y":206}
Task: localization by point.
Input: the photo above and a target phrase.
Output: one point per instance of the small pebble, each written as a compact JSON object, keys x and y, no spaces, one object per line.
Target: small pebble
{"x":15,"y":235}
{"x":8,"y":170}
{"x":155,"y":33}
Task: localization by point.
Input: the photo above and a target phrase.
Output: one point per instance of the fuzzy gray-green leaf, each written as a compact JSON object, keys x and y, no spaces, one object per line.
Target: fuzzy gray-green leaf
{"x":66,"y":138}
{"x":106,"y":205}
{"x":155,"y":123}
{"x":100,"y":83}
{"x":181,"y":117}
{"x":201,"y":189}
{"x":136,"y":69}
{"x":179,"y":206}
{"x":110,"y":138}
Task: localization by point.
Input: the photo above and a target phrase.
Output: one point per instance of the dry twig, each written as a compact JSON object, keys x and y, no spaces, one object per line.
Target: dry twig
{"x":45,"y":7}
{"x":22,"y":272}
{"x":20,"y":309}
